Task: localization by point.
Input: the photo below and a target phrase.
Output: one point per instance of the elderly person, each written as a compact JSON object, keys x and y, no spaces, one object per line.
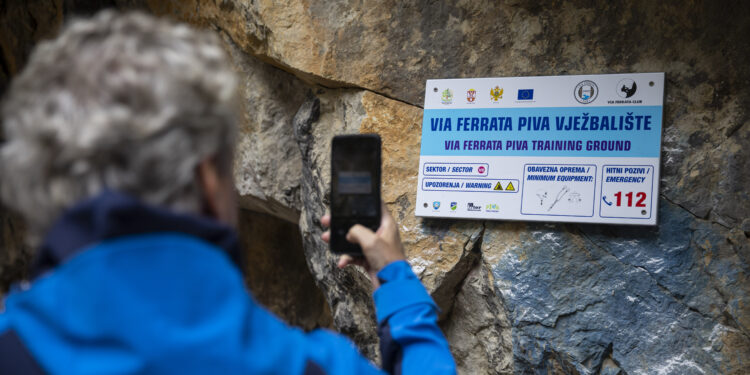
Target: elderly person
{"x":120,"y":137}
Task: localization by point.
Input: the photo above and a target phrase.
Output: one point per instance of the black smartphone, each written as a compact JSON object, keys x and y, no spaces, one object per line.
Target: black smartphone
{"x":355,"y":188}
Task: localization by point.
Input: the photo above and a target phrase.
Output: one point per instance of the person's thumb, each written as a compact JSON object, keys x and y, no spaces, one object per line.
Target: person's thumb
{"x":361,"y":235}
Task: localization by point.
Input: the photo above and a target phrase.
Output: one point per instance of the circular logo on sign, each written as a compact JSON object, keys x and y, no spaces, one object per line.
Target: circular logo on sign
{"x":481,"y":169}
{"x":586,"y":92}
{"x":626,"y":88}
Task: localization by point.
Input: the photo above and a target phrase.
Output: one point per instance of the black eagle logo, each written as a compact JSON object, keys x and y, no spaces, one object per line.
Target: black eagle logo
{"x":629,"y":91}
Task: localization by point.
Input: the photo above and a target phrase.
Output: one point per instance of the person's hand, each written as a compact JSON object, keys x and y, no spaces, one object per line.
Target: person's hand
{"x":380,"y":248}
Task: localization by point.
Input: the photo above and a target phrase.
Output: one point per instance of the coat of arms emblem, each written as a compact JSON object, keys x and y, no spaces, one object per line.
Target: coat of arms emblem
{"x":496,"y":93}
{"x":471,"y":95}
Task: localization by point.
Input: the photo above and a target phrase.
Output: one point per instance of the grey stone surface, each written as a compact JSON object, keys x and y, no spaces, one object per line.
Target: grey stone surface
{"x":267,"y":160}
{"x":646,"y":295}
{"x":478,"y":327}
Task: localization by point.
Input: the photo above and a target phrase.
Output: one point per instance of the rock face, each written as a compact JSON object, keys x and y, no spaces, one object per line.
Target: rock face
{"x":268,"y":163}
{"x":273,"y":244}
{"x":515,"y":297}
{"x":15,"y":255}
{"x":641,"y":296}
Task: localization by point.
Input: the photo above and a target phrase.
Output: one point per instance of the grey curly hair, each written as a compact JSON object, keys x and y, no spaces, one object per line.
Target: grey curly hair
{"x":125,"y":102}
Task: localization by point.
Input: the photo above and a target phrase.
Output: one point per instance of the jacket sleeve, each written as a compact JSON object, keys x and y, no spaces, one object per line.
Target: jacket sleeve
{"x":410,"y":340}
{"x":272,"y":347}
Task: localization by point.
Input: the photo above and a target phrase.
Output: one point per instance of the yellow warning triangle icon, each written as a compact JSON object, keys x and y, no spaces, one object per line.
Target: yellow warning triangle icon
{"x":510,"y":187}
{"x":498,"y":186}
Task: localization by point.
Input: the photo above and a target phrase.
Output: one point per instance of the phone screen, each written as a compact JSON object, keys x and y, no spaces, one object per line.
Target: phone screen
{"x":355,"y":187}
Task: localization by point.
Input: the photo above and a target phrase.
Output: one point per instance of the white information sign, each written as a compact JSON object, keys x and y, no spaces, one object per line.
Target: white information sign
{"x":562,"y":148}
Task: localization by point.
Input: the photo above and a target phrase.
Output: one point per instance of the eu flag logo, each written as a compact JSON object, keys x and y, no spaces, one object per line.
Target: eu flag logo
{"x":526,"y":94}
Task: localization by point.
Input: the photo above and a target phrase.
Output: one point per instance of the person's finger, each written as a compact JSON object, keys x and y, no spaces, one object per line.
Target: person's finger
{"x":344,"y":261}
{"x":326,"y":236}
{"x":325,"y":221}
{"x":387,"y":222}
{"x":361,"y":235}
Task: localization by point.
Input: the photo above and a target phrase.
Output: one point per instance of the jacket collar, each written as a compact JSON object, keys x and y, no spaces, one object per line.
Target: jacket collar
{"x":112,"y":214}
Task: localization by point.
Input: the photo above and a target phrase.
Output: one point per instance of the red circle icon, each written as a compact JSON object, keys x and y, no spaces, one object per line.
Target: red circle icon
{"x":481,"y":169}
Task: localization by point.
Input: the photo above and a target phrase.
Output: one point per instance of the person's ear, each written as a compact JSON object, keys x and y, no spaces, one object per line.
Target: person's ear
{"x":219,"y":195}
{"x":210,"y":184}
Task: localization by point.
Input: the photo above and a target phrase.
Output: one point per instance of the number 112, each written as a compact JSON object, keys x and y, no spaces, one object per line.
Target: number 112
{"x":641,"y":196}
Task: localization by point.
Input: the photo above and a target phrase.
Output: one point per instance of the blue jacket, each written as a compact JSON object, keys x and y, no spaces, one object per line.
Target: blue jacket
{"x":121,"y":287}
